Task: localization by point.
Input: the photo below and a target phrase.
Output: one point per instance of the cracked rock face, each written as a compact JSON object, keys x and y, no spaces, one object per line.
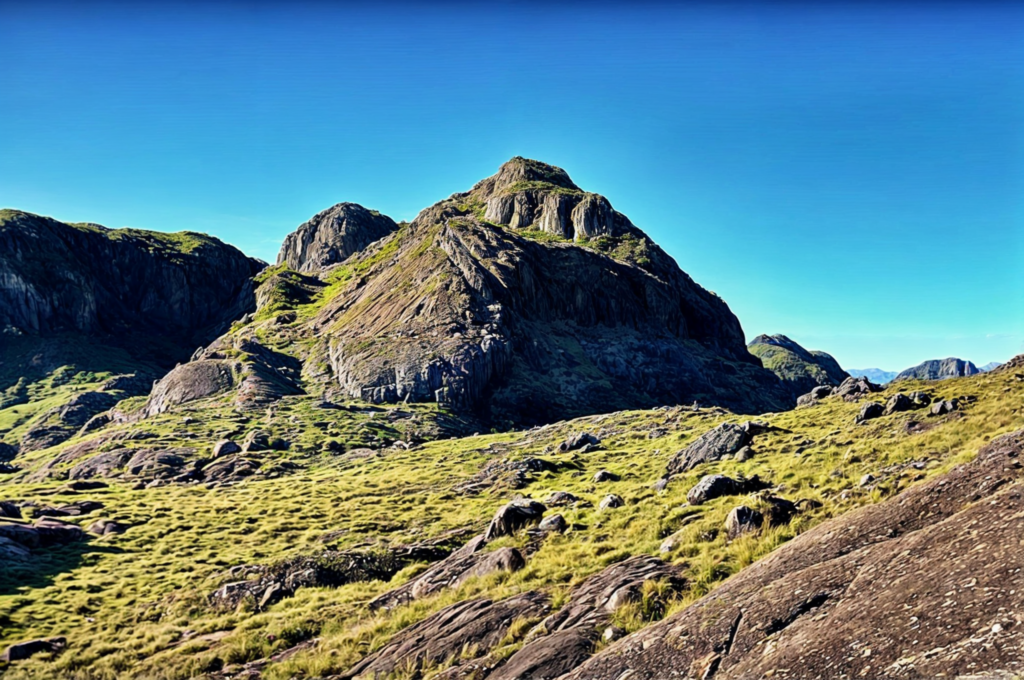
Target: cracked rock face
{"x":332,"y":236}
{"x":865,"y":594}
{"x":57,"y":277}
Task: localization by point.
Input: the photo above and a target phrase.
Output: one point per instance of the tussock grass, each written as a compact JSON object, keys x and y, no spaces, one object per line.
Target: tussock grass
{"x":134,"y":605}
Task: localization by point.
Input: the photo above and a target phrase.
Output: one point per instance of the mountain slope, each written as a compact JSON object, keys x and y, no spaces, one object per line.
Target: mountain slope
{"x":522,"y":301}
{"x":801,"y":370}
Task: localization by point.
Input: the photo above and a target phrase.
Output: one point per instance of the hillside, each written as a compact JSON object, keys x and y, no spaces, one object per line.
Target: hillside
{"x":152,"y":597}
{"x":510,"y":439}
{"x":799,"y":369}
{"x":523,"y":301}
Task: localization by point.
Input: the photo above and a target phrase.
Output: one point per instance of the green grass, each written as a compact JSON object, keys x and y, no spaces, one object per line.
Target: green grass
{"x":133,"y":604}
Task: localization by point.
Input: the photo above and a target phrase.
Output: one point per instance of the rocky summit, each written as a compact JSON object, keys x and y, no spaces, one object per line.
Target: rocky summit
{"x":510,"y":439}
{"x":522,"y":301}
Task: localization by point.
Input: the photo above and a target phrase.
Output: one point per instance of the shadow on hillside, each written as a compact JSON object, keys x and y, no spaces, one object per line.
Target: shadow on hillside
{"x":46,"y":564}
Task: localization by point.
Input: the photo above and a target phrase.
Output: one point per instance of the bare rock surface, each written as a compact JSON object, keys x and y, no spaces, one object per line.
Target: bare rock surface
{"x":468,"y":625}
{"x":333,"y":235}
{"x":923,"y":585}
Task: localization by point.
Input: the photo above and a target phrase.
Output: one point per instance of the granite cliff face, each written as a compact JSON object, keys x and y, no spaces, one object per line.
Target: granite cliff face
{"x":332,"y":236}
{"x":88,"y":280}
{"x":939,"y":369}
{"x":801,"y":370}
{"x":528,"y":300}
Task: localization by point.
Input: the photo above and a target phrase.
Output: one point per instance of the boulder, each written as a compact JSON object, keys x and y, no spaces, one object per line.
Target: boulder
{"x":159,"y":464}
{"x":853,"y":389}
{"x":898,"y":402}
{"x":945,"y":406}
{"x":106,"y":464}
{"x":10,"y":510}
{"x":611,"y":501}
{"x":106,"y":527}
{"x":716,"y":486}
{"x":7,"y":452}
{"x":919,"y":398}
{"x":724,"y":440}
{"x":605,"y":476}
{"x":743,"y":520}
{"x":870,"y":410}
{"x":514,"y":516}
{"x":560,"y":498}
{"x":225,"y":447}
{"x":24,"y":650}
{"x":451,"y":572}
{"x":229,"y":470}
{"x":189,"y":382}
{"x":256,"y":440}
{"x":553,"y":524}
{"x":577,"y":441}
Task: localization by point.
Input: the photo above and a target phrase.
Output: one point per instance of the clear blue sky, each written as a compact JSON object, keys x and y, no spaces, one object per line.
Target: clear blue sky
{"x":850,"y":175}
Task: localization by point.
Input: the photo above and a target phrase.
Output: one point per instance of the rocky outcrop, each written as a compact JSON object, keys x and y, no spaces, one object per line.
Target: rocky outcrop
{"x":939,"y":369}
{"x":711,"y":487}
{"x":332,"y":236}
{"x":467,"y":308}
{"x":922,"y":585}
{"x":725,"y":440}
{"x":116,"y":284}
{"x":456,"y":630}
{"x":62,"y":422}
{"x":467,"y":562}
{"x":799,"y":369}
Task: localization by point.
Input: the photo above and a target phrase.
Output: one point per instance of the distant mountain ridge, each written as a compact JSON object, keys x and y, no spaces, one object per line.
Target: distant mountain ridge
{"x":939,"y":369}
{"x":875,"y":375}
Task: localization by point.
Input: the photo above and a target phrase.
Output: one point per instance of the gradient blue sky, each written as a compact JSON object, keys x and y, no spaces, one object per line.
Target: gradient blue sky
{"x":850,"y":175}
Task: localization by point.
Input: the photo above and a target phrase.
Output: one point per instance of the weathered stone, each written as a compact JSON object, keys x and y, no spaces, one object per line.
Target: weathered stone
{"x":106,"y":527}
{"x":560,"y":498}
{"x":869,"y":411}
{"x":578,"y":441}
{"x":743,"y":520}
{"x":225,"y":447}
{"x":605,"y":476}
{"x":514,"y":516}
{"x":611,"y":501}
{"x":469,"y":625}
{"x":102,"y":465}
{"x":713,"y":445}
{"x":553,"y":524}
{"x":944,"y":406}
{"x":24,"y":650}
{"x":898,"y":402}
{"x":716,"y":486}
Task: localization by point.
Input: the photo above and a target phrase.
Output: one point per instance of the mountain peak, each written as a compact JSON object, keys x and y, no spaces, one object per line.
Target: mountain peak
{"x":332,"y":235}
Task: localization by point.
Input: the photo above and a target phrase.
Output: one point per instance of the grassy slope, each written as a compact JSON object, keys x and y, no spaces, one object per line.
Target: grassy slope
{"x":132,"y":604}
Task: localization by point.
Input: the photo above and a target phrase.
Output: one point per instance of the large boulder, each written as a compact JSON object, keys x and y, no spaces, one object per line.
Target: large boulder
{"x":898,"y":402}
{"x":514,"y":516}
{"x":24,"y":650}
{"x":189,"y":382}
{"x":725,"y":440}
{"x":869,"y":411}
{"x":716,"y":486}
